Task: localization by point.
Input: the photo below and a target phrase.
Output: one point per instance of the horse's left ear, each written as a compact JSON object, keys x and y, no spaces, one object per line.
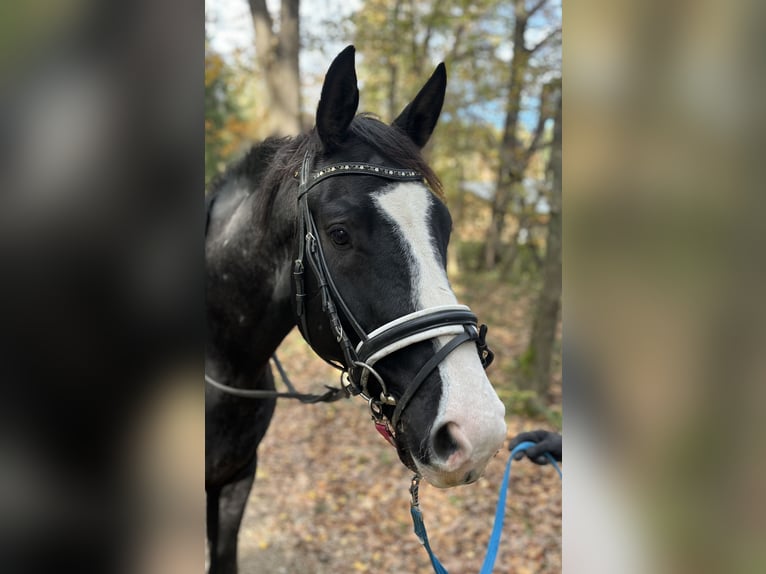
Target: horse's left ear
{"x":339,"y":100}
{"x":418,"y":119}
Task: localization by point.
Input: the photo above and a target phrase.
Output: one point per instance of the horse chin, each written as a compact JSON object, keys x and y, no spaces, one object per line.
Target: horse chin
{"x":441,"y":477}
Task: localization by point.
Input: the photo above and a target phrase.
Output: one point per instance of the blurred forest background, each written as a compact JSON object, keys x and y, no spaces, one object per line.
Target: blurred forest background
{"x":497,"y":149}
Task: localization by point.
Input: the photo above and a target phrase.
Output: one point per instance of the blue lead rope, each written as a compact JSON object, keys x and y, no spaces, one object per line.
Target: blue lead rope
{"x":497,"y":528}
{"x":420,"y":527}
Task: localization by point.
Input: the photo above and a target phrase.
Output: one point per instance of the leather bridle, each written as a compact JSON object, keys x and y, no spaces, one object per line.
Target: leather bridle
{"x":358,"y":361}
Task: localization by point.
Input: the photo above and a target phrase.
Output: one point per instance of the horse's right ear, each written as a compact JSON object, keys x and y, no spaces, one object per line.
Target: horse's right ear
{"x":339,"y":100}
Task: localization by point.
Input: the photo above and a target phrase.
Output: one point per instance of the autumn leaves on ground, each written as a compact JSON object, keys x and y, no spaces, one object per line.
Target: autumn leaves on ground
{"x":332,"y":497}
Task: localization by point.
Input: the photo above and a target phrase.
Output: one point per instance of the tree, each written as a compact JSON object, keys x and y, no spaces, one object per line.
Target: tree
{"x":525,"y":206}
{"x":537,"y":357}
{"x":225,"y":126}
{"x":399,"y":43}
{"x":514,"y":155}
{"x":276,"y":52}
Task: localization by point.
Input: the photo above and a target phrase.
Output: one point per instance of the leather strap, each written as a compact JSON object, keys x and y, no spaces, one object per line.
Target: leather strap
{"x":414,"y":326}
{"x":357,"y":168}
{"x":425,"y":370}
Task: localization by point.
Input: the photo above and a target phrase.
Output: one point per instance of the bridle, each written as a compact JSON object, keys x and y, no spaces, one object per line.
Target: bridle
{"x":359,"y":361}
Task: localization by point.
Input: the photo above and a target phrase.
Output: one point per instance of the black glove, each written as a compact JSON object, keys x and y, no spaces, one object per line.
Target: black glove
{"x":546,"y":441}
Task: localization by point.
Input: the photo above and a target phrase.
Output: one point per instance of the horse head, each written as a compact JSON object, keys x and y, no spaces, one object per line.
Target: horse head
{"x":370,"y":284}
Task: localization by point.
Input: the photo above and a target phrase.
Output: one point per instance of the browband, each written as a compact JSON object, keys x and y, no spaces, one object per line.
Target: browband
{"x":359,"y":168}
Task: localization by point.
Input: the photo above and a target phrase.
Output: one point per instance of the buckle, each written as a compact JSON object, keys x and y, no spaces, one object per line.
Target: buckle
{"x":485,"y":353}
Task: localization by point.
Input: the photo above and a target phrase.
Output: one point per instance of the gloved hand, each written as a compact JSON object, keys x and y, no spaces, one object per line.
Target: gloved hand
{"x":546,"y":441}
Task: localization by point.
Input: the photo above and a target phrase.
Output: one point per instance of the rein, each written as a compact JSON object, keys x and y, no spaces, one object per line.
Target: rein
{"x":497,"y":527}
{"x":332,"y":394}
{"x":358,"y":361}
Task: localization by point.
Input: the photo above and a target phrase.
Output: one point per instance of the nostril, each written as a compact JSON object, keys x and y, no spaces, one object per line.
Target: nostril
{"x":444,"y":444}
{"x":451,"y":447}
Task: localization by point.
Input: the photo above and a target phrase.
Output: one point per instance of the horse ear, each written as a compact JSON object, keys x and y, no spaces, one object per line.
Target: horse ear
{"x":419,"y":118}
{"x":339,"y":100}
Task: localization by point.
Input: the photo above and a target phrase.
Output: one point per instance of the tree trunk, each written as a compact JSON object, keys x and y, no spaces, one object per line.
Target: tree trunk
{"x":277,"y":55}
{"x":508,"y":257}
{"x":514,"y":157}
{"x":511,"y":170}
{"x":540,"y":350}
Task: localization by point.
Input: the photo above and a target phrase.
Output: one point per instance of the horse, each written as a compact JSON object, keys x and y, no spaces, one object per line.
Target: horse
{"x":342,"y":231}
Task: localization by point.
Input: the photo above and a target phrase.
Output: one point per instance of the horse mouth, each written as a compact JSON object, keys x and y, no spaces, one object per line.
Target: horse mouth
{"x":440,"y":478}
{"x":471,"y":476}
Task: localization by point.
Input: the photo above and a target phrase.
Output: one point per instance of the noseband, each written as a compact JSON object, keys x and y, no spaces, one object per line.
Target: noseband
{"x":358,"y":362}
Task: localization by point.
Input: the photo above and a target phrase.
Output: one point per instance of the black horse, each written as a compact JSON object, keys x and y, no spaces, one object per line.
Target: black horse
{"x":343,"y":232}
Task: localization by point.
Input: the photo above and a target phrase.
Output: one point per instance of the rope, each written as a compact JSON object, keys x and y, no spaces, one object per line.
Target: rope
{"x":283,"y":374}
{"x":497,"y":528}
{"x":420,"y":527}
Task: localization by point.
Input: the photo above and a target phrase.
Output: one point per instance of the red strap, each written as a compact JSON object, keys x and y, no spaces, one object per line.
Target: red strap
{"x":382,"y":428}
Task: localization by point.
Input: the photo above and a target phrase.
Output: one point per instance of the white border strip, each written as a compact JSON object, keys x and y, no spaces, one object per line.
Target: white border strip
{"x":410,"y":316}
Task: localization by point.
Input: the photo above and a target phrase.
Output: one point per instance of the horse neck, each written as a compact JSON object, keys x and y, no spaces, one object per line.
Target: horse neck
{"x":248,"y":286}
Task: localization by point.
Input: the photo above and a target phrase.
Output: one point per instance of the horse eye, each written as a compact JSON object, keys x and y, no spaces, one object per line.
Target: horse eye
{"x":339,"y":236}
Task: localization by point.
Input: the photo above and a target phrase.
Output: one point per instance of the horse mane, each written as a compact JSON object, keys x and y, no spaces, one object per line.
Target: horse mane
{"x":391,"y":142}
{"x":395,"y":145}
{"x":253,"y":168}
{"x":274,"y":160}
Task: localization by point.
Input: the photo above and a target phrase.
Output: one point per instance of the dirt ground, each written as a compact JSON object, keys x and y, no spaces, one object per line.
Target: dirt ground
{"x":332,"y":497}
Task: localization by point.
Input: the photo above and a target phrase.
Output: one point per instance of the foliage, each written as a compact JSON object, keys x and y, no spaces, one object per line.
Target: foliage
{"x":469,"y":254}
{"x":401,"y":42}
{"x":527,"y":405}
{"x":226,"y":127}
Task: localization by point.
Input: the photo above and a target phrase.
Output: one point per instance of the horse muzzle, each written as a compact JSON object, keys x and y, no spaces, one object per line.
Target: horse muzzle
{"x":458,"y":455}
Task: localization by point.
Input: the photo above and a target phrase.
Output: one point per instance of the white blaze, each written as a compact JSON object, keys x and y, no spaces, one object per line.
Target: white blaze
{"x":468,"y":399}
